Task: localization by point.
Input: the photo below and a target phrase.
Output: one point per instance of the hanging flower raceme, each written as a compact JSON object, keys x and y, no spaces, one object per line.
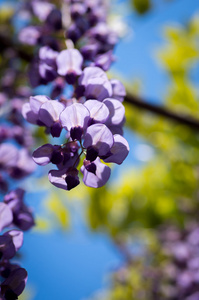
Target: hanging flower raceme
{"x":93,"y":114}
{"x":90,"y":129}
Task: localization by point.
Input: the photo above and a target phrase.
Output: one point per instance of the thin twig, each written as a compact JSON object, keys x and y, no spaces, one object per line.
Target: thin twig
{"x":162,"y":111}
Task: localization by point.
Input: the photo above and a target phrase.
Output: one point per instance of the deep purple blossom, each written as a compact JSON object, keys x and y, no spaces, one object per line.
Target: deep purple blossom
{"x":14,"y":284}
{"x":22,"y":215}
{"x":64,"y":179}
{"x":47,"y":64}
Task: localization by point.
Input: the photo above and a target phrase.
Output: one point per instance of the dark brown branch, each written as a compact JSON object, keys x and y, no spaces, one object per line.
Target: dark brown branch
{"x":162,"y":111}
{"x":6,"y":42}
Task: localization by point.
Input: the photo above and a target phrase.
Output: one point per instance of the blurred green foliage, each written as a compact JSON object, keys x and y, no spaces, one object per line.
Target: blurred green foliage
{"x":141,"y":6}
{"x":166,"y":189}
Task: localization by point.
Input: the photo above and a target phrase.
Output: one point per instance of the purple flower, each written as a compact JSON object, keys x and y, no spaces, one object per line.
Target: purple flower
{"x":95,"y":174}
{"x":104,"y":60}
{"x":14,"y":284}
{"x":30,"y":111}
{"x":22,"y":215}
{"x":7,"y":247}
{"x":75,"y":118}
{"x":102,"y":33}
{"x":64,"y":179}
{"x":24,"y":165}
{"x":42,"y":9}
{"x":29,"y":35}
{"x":37,"y":101}
{"x":99,"y":112}
{"x":42,"y":155}
{"x":69,"y":63}
{"x":54,"y":20}
{"x":116,"y":112}
{"x":96,"y":83}
{"x":47,"y":63}
{"x":17,"y":238}
{"x":118,"y":151}
{"x":118,"y":89}
{"x":6,"y":215}
{"x":89,"y":51}
{"x":8,"y":155}
{"x":49,"y":113}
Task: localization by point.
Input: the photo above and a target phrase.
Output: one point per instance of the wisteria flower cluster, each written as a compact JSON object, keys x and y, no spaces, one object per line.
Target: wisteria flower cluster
{"x":93,"y":114}
{"x":13,"y":213}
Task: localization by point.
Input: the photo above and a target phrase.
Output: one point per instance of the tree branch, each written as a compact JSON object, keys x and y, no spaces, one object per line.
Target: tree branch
{"x":162,"y":111}
{"x":134,"y":100}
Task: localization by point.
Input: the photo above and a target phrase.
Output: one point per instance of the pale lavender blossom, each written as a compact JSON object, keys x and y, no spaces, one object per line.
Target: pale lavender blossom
{"x":97,"y":86}
{"x":118,"y":90}
{"x":98,"y":140}
{"x":6,"y":215}
{"x":97,"y":175}
{"x":42,"y":9}
{"x":69,"y":64}
{"x":30,"y":35}
{"x":118,"y":151}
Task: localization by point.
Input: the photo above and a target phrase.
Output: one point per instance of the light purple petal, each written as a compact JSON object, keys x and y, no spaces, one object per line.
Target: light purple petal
{"x":25,"y":162}
{"x":28,"y":114}
{"x":119,"y":150}
{"x":50,"y":111}
{"x":9,"y":155}
{"x":97,"y":85}
{"x":17,"y":238}
{"x":116,"y":111}
{"x":29,"y":35}
{"x":100,"y":136}
{"x":104,"y":60}
{"x":118,"y":90}
{"x":100,"y":177}
{"x":42,"y":9}
{"x":36,"y":102}
{"x":57,"y":178}
{"x":91,"y":73}
{"x":43,"y":154}
{"x":6,"y":215}
{"x":74,"y":115}
{"x":68,"y":61}
{"x":47,"y":54}
{"x":98,"y":110}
